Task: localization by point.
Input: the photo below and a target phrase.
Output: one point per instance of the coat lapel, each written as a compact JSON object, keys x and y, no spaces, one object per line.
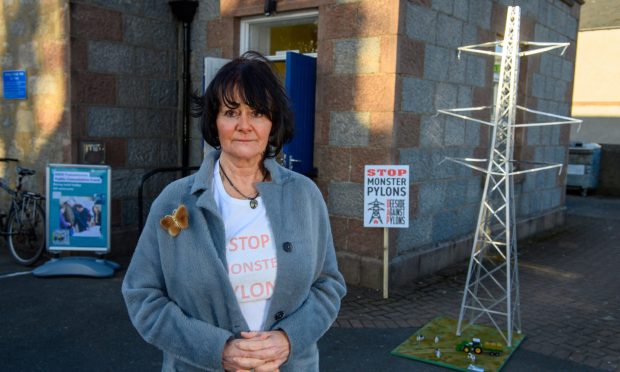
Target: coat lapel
{"x":273,"y":194}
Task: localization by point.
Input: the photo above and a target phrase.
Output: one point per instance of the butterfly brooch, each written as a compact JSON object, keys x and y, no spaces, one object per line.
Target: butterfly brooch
{"x":175,"y":222}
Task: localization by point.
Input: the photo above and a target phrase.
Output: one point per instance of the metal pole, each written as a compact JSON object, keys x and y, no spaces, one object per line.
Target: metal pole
{"x":184,"y":11}
{"x":186,"y":94}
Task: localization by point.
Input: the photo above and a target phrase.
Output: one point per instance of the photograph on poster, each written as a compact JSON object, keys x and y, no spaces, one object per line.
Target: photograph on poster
{"x":79,"y":216}
{"x":78,"y":207}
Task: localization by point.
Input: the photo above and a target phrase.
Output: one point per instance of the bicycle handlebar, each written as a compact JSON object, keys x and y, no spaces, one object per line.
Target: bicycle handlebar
{"x":22,"y":172}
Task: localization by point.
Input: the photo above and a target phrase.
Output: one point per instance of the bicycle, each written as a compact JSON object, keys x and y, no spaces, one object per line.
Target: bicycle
{"x":24,"y":224}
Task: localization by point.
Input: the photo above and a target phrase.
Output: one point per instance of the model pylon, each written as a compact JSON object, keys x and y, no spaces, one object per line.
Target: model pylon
{"x":492,"y":286}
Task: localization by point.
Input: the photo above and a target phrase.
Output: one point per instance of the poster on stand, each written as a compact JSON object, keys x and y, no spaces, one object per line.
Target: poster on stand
{"x":78,"y":207}
{"x":386,"y":196}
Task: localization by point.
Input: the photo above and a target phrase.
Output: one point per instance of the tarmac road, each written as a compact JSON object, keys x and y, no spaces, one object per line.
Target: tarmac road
{"x":80,"y":324}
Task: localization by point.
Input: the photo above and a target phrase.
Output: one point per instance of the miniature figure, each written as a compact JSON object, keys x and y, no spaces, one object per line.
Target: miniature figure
{"x":438,"y":353}
{"x":420,"y":338}
{"x":436,"y":339}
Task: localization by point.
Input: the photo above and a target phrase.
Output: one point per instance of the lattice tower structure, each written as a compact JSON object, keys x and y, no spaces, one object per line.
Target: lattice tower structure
{"x":492,"y":286}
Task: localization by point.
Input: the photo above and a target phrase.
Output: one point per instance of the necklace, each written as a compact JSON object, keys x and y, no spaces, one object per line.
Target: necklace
{"x":253,"y":201}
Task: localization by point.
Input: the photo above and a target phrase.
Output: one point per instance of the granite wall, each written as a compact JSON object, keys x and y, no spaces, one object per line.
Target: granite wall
{"x":34,"y":38}
{"x":126,"y":62}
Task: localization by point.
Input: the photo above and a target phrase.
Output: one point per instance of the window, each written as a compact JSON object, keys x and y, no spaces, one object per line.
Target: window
{"x":273,"y":36}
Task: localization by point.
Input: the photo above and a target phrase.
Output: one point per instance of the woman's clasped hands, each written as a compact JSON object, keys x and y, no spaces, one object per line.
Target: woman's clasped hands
{"x":256,"y":351}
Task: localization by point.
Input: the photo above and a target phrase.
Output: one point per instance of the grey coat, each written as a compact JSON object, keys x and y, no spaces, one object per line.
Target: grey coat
{"x":177,"y":289}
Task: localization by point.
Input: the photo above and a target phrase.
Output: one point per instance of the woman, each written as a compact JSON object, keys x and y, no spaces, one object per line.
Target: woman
{"x":66,"y":217}
{"x":236,"y":268}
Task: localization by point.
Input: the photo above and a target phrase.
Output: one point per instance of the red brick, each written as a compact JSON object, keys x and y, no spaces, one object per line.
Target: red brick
{"x":67,"y":154}
{"x":378,"y":17}
{"x":568,"y":95}
{"x":527,"y":28}
{"x":481,"y":153}
{"x":374,"y":92}
{"x":79,"y":54}
{"x":325,"y":57}
{"x":485,"y":133}
{"x":116,"y":152}
{"x":95,"y":23}
{"x":235,"y":8}
{"x":365,"y":241}
{"x":414,"y":191}
{"x":78,"y":122}
{"x":333,"y":163}
{"x":526,"y":153}
{"x":410,"y":57}
{"x":483,"y":96}
{"x":519,"y":136}
{"x":339,"y":21}
{"x":381,"y":129}
{"x":498,"y":18}
{"x":93,"y":88}
{"x":388,"y":61}
{"x":220,"y":33}
{"x":407,"y":130}
{"x":117,"y":213}
{"x":337,"y":93}
{"x":362,"y":156}
{"x":321,"y":128}
{"x":339,"y":232}
{"x":323,"y":185}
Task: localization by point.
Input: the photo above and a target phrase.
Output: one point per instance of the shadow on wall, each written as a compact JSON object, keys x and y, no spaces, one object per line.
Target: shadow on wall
{"x":34,"y":38}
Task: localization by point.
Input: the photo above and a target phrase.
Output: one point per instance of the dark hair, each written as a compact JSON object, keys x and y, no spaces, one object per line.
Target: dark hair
{"x":252,"y":78}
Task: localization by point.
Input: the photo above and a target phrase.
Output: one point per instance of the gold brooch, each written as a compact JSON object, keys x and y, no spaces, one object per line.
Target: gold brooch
{"x":175,"y":222}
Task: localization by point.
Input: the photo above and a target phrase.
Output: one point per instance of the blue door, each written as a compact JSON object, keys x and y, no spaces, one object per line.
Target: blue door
{"x":300,"y":84}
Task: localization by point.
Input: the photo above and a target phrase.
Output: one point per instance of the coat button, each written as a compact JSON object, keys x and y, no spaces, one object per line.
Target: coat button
{"x":287,"y":246}
{"x":279,"y":315}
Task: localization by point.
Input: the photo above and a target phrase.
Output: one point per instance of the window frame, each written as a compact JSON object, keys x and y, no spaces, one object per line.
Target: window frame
{"x":246,"y":24}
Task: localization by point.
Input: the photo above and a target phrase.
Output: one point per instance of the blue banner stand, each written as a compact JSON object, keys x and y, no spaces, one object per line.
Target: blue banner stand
{"x":77,"y":266}
{"x":83,"y":190}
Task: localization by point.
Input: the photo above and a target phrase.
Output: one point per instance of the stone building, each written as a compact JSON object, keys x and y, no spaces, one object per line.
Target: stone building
{"x":383,"y":69}
{"x":596,"y":98}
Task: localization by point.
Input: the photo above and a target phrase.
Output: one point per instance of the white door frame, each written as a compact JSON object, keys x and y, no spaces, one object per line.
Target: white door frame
{"x":246,"y":23}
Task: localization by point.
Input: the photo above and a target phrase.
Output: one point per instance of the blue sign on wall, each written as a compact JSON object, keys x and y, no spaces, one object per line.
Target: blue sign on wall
{"x":78,"y":207}
{"x":14,"y":84}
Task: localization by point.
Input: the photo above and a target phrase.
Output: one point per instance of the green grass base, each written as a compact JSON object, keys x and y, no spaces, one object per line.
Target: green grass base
{"x":445,"y":329}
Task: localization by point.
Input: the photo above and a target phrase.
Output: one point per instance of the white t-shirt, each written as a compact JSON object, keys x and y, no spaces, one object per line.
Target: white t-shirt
{"x":250,"y":252}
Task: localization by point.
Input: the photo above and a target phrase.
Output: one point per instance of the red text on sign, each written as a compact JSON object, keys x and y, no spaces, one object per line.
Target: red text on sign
{"x":386,"y":172}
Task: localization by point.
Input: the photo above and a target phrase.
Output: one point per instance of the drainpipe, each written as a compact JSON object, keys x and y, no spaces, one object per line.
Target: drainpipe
{"x":270,"y":7}
{"x":184,"y":11}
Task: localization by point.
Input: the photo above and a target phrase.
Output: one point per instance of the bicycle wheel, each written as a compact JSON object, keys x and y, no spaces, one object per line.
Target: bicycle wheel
{"x":26,"y":233}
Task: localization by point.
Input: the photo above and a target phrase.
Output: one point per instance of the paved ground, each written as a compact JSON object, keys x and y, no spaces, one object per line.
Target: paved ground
{"x":570,"y":310}
{"x":570,"y":293}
